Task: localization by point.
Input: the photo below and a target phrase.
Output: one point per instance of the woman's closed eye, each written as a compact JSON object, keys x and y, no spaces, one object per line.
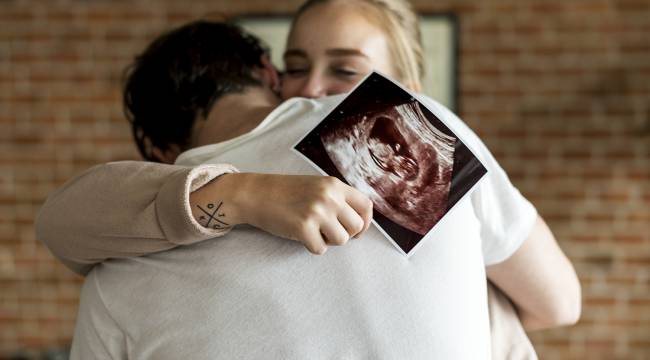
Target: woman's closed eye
{"x":295,"y":72}
{"x":345,"y":72}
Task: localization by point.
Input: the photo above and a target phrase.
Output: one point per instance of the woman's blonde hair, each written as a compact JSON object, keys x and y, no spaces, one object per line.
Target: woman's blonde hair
{"x":401,"y":27}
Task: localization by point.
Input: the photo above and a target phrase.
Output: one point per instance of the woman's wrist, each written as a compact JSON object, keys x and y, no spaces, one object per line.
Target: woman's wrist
{"x":216,"y":205}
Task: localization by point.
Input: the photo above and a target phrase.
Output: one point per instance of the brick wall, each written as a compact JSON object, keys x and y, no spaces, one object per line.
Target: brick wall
{"x":559,"y":90}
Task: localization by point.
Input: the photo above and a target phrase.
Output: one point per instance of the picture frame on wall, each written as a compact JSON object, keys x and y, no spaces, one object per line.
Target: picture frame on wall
{"x":439,"y":37}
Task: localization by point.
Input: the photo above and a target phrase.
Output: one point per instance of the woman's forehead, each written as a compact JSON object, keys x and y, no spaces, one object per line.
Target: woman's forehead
{"x":333,"y":26}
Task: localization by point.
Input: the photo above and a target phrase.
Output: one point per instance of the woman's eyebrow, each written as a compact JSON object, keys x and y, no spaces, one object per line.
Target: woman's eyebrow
{"x":332,"y":52}
{"x":294,"y":52}
{"x":345,"y":52}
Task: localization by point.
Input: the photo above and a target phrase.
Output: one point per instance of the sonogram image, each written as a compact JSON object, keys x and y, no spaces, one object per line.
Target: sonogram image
{"x":386,"y":142}
{"x":398,"y":158}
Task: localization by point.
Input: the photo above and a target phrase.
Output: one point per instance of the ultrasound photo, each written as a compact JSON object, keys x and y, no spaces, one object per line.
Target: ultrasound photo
{"x":385,"y":143}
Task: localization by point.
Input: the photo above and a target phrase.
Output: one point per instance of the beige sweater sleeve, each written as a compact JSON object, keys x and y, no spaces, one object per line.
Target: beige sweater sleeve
{"x":124,"y":209}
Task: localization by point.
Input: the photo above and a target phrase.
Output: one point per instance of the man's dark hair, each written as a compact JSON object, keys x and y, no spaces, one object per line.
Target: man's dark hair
{"x":180,"y":76}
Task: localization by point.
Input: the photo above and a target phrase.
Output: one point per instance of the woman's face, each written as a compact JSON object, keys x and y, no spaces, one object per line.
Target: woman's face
{"x":331,"y":47}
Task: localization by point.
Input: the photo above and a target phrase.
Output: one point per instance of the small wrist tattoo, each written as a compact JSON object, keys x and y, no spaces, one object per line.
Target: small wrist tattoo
{"x":211,"y":215}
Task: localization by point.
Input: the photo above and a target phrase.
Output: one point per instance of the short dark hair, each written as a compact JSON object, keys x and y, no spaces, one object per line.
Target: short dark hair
{"x":180,"y":76}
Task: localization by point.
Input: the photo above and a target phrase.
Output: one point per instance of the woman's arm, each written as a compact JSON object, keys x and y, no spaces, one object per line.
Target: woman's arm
{"x":540,"y":280}
{"x":127,"y":209}
{"x":123,"y":209}
{"x":316,"y":211}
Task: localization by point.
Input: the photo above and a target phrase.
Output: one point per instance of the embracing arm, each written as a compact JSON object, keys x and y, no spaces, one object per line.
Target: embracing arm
{"x":123,"y":209}
{"x":540,"y":281}
{"x":126,"y":209}
{"x":317,"y":211}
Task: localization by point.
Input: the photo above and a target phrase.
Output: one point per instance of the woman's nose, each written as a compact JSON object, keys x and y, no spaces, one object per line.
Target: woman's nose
{"x":313,"y":87}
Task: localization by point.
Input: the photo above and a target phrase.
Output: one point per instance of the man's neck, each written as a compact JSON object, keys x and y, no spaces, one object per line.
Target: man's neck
{"x":233,"y":115}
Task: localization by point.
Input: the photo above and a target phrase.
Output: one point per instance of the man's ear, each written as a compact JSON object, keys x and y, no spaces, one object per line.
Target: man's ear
{"x":269,"y":74}
{"x":167,"y":156}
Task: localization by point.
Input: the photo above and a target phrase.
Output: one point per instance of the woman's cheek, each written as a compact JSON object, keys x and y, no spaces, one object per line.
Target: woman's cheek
{"x":290,"y":88}
{"x":339,"y":87}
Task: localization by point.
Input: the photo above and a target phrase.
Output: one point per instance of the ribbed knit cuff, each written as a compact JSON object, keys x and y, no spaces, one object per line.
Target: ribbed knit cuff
{"x":173,"y":204}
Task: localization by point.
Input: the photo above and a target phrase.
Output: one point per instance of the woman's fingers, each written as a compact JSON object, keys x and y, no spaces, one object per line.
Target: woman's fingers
{"x":351,"y":220}
{"x":314,"y":242}
{"x":362,"y":205}
{"x":334,"y":233}
{"x":313,"y":210}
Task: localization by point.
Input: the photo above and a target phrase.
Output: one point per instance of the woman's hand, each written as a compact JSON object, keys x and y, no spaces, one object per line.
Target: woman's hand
{"x":315,"y":210}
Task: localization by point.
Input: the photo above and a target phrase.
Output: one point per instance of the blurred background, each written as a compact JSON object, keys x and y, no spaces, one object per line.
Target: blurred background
{"x":559,"y":91}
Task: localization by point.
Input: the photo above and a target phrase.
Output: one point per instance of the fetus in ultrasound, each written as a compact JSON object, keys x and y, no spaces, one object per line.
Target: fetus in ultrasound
{"x":399,"y":159}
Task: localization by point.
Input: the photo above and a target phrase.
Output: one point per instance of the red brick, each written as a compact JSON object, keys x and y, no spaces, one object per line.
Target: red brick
{"x":547,"y":7}
{"x":593,"y":174}
{"x":601,"y":344}
{"x":586,"y":238}
{"x":119,"y":36}
{"x":644,"y":344}
{"x":555,"y":134}
{"x":640,"y":261}
{"x":615,"y":196}
{"x":60,"y":16}
{"x":634,"y":6}
{"x":577,"y":155}
{"x":637,"y":238}
{"x":639,"y":217}
{"x":589,"y":7}
{"x":600,"y":217}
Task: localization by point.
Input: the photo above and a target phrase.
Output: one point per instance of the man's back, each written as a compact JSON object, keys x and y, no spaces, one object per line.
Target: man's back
{"x":253,"y":295}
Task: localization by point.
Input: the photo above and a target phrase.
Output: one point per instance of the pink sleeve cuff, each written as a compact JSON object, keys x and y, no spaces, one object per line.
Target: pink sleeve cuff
{"x":173,"y":204}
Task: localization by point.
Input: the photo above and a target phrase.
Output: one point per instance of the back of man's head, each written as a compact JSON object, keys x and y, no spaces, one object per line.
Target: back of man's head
{"x":179,"y":77}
